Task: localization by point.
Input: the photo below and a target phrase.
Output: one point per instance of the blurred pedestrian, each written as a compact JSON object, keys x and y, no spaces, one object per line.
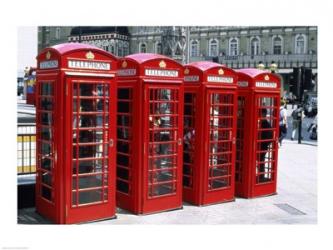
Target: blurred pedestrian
{"x":283,"y":124}
{"x":298,"y":116}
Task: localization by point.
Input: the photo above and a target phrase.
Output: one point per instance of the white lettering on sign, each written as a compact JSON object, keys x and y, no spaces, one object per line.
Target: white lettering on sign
{"x":220,"y":79}
{"x":48,"y":64}
{"x":88,"y":65}
{"x":266,"y":84}
{"x":191,"y":78}
{"x":159,"y":72}
{"x":126,"y":72}
{"x":243,"y":84}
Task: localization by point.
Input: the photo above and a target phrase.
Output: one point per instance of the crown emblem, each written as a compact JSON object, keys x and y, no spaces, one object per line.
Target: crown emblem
{"x":186,"y":71}
{"x":221,"y":72}
{"x":124,"y":64}
{"x":90,"y":55}
{"x":162,"y":64}
{"x":48,"y":55}
{"x":266,"y":77}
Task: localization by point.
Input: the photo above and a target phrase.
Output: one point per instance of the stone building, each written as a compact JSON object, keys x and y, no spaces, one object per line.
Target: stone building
{"x":281,"y":47}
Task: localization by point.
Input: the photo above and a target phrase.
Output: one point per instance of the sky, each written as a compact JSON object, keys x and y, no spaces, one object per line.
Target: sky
{"x":26,"y":47}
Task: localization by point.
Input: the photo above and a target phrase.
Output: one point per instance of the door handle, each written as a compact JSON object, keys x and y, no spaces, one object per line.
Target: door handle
{"x":111,"y":143}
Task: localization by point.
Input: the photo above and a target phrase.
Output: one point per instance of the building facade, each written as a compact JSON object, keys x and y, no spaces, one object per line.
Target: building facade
{"x":285,"y":47}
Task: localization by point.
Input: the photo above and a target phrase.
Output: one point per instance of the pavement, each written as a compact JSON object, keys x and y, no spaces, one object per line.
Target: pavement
{"x":295,"y":202}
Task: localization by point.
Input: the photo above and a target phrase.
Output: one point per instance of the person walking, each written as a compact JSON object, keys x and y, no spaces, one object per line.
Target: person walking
{"x":297,"y":115}
{"x":283,"y":124}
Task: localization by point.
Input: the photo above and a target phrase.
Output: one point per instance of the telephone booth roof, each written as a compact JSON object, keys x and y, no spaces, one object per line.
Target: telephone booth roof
{"x":149,"y":65}
{"x":257,"y":79}
{"x":209,"y":72}
{"x":58,"y":55}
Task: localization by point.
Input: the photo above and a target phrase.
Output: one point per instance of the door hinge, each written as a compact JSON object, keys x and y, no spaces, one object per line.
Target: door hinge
{"x":66,"y":211}
{"x":66,"y":89}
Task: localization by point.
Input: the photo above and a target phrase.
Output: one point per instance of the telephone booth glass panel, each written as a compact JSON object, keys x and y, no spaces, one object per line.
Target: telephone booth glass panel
{"x":189,"y":138}
{"x":267,"y":113}
{"x":163,"y":134}
{"x":240,"y":139}
{"x":45,"y":130}
{"x":221,"y":112}
{"x":90,"y":138}
{"x":124,"y":140}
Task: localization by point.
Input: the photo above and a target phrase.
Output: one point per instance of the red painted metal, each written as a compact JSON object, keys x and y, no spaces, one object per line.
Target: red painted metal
{"x":75,"y":119}
{"x":210,"y":105}
{"x":149,"y":133}
{"x":257,"y":133}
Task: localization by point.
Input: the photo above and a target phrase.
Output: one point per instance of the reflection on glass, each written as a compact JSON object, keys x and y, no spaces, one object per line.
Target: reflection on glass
{"x":47,"y":178}
{"x":219,"y":183}
{"x":45,"y":148}
{"x":46,"y":118}
{"x":161,"y":189}
{"x":46,"y":133}
{"x":46,"y":163}
{"x":46,"y":88}
{"x":89,"y":196}
{"x":46,"y":104}
{"x":87,"y":181}
{"x":123,"y":133}
{"x":123,"y":120}
{"x":46,"y":193}
{"x":90,"y":166}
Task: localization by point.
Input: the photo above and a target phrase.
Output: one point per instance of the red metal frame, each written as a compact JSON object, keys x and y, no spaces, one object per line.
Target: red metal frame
{"x":257,"y":136}
{"x":209,"y":149}
{"x":151,"y":181}
{"x":81,"y":137}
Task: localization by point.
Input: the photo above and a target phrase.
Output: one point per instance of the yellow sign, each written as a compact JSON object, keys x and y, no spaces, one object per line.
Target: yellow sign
{"x":221,"y":72}
{"x":162,"y":64}
{"x":90,"y":55}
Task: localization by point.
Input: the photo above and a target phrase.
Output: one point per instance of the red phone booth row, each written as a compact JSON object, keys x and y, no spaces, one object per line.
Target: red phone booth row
{"x":144,"y":132}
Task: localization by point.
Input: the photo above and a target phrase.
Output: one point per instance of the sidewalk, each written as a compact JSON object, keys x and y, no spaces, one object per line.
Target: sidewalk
{"x":295,"y":203}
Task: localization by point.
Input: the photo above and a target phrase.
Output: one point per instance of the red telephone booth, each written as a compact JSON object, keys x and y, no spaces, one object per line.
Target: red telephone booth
{"x":75,"y":119}
{"x":149,"y":133}
{"x":210,"y":105}
{"x":257,"y":133}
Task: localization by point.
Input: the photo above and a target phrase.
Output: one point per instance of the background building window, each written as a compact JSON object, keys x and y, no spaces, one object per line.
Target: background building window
{"x":255,"y":46}
{"x":213,"y":48}
{"x":194,"y":48}
{"x":57,"y":33}
{"x":143,"y":48}
{"x":300,"y":44}
{"x":277,"y":45}
{"x":233,"y":47}
{"x":158,"y":48}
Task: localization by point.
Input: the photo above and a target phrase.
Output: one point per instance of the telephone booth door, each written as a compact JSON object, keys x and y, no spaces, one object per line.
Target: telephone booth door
{"x":162,"y":185}
{"x":91,"y":174}
{"x":220,"y":145}
{"x":266,"y":144}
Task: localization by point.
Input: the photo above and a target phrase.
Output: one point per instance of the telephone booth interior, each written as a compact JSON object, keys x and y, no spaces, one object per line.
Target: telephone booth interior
{"x":257,"y":133}
{"x":210,"y":104}
{"x":149,"y":133}
{"x":75,"y":120}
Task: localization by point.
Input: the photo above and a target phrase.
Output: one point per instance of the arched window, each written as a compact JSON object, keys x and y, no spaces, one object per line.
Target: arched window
{"x":120,"y":49}
{"x":233,"y":47}
{"x":194,"y":48}
{"x":277,"y":45}
{"x":255,"y":46}
{"x":126,"y":48}
{"x":213,"y":48}
{"x":158,"y":49}
{"x":143,"y":48}
{"x":300,"y":44}
{"x":57,"y":33}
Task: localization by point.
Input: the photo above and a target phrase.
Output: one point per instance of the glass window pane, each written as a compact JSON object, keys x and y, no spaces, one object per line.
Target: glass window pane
{"x":46,"y":163}
{"x":122,"y":186}
{"x":90,"y":166}
{"x":46,"y":88}
{"x":46,"y":118}
{"x":46,"y":193}
{"x":90,"y":196}
{"x":47,"y":178}
{"x":46,"y":104}
{"x":46,"y":133}
{"x":123,"y":93}
{"x":88,"y":181}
